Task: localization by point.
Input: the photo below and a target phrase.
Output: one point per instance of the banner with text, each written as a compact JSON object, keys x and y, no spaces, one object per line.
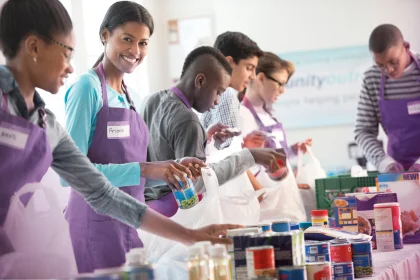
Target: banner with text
{"x":325,"y":87}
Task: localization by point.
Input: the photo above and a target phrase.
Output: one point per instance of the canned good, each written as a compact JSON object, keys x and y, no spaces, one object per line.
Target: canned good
{"x":281,"y":225}
{"x":292,"y":273}
{"x":362,"y":259}
{"x":317,"y":248}
{"x":188,"y":197}
{"x":317,"y":271}
{"x":388,"y":226}
{"x":341,"y":252}
{"x":317,"y":258}
{"x":344,"y":277}
{"x":342,"y":268}
{"x":260,"y":261}
{"x":266,"y":226}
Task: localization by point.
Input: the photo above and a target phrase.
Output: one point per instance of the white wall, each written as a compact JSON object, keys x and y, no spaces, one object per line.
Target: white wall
{"x":286,"y":26}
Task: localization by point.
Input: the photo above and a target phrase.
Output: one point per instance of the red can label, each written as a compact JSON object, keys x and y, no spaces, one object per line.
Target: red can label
{"x":260,"y":261}
{"x":341,"y":253}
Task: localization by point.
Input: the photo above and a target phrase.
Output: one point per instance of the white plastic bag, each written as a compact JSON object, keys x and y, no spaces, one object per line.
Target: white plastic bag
{"x":309,"y":169}
{"x":39,"y":234}
{"x":282,"y":198}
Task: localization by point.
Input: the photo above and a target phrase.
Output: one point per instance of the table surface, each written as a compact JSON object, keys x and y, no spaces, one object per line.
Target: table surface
{"x":401,"y":264}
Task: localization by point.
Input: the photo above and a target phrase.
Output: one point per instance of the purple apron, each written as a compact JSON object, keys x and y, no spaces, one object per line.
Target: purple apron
{"x":25,"y":154}
{"x":278,"y":127}
{"x":167,"y":205}
{"x":121,"y":136}
{"x":400,"y":120}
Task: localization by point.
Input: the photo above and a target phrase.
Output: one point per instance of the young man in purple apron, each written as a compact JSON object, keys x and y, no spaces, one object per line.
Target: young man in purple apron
{"x":177,"y":131}
{"x":104,"y":123}
{"x":38,"y":51}
{"x":390,"y":96}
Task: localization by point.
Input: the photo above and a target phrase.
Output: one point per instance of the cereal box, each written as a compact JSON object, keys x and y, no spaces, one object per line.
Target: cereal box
{"x":365,"y":213}
{"x":407,"y":187}
{"x":345,"y":213}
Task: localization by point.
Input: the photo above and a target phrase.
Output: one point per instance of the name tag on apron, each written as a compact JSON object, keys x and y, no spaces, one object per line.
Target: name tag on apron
{"x":13,"y":136}
{"x":413,"y":108}
{"x":117,"y":130}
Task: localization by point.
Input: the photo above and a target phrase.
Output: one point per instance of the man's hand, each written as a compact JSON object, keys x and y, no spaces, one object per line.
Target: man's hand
{"x":194,"y":165}
{"x":166,"y":171}
{"x":220,"y":133}
{"x":255,"y":139}
{"x":271,"y":159}
{"x":302,"y":146}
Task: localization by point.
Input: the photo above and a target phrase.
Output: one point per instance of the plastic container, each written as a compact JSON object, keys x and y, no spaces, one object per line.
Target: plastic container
{"x":197,"y":263}
{"x":219,"y":263}
{"x":294,"y":226}
{"x":280,"y":225}
{"x":319,"y":218}
{"x":305,"y":225}
{"x":137,"y":266}
{"x":188,"y":197}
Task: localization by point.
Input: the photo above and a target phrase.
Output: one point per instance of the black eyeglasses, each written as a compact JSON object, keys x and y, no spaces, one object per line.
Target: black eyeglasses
{"x":68,"y":56}
{"x":279,"y":85}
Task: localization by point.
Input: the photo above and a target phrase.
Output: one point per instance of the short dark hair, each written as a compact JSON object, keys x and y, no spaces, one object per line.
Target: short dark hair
{"x":237,"y":45}
{"x":384,"y":37}
{"x":209,"y":51}
{"x":122,"y":12}
{"x":20,"y":18}
{"x":269,"y":63}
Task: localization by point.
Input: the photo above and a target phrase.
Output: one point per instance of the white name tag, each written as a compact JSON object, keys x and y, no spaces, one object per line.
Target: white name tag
{"x":116,"y":130}
{"x":13,"y":136}
{"x":413,"y":108}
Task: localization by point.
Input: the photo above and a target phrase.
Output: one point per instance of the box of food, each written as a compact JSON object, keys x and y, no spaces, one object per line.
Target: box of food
{"x":365,"y":213}
{"x":345,"y":213}
{"x":407,"y":187}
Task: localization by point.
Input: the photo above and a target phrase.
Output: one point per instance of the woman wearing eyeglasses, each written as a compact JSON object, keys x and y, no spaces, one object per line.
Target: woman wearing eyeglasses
{"x":390,"y":96}
{"x":272,"y":75}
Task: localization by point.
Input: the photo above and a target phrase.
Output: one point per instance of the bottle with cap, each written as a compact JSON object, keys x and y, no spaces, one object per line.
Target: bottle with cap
{"x":137,"y":266}
{"x":219,"y":263}
{"x":197,"y":263}
{"x":319,"y":218}
{"x":206,"y":248}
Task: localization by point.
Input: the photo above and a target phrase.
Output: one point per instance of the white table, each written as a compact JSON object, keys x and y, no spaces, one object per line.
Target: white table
{"x":397,"y":265}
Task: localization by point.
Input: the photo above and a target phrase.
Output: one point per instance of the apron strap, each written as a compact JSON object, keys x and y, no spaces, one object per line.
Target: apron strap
{"x":181,"y":96}
{"x":4,"y":103}
{"x":128,"y":97}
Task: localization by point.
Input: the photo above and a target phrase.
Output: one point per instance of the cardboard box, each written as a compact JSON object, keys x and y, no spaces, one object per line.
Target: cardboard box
{"x":407,"y":187}
{"x":345,"y":213}
{"x":365,"y":216}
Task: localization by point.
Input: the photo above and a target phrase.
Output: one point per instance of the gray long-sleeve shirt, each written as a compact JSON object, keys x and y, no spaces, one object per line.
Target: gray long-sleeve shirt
{"x":70,"y":163}
{"x":176,"y":132}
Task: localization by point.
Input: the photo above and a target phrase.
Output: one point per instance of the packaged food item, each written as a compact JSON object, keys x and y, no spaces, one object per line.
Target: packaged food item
{"x":188,"y":197}
{"x":280,"y":225}
{"x":137,"y":266}
{"x":324,"y":234}
{"x":197,"y":263}
{"x":362,"y":258}
{"x":264,"y":225}
{"x":292,"y":273}
{"x":388,"y":226}
{"x":317,"y":271}
{"x":319,"y":218}
{"x":407,"y":187}
{"x":260,"y":261}
{"x":316,"y":251}
{"x":340,"y":252}
{"x":304,"y":225}
{"x":345,"y":213}
{"x":237,"y":250}
{"x":281,"y":173}
{"x":365,"y":213}
{"x":219,"y":263}
{"x":340,"y":269}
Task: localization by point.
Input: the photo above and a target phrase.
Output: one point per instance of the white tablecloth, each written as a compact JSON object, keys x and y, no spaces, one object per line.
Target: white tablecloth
{"x":397,"y":265}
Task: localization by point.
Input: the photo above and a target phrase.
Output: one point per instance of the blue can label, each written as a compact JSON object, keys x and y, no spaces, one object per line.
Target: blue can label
{"x":318,"y":248}
{"x":266,"y":228}
{"x":188,"y":197}
{"x":363,"y":266}
{"x":144,"y":273}
{"x":317,"y":258}
{"x":342,"y":268}
{"x":343,"y":277}
{"x":292,"y":273}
